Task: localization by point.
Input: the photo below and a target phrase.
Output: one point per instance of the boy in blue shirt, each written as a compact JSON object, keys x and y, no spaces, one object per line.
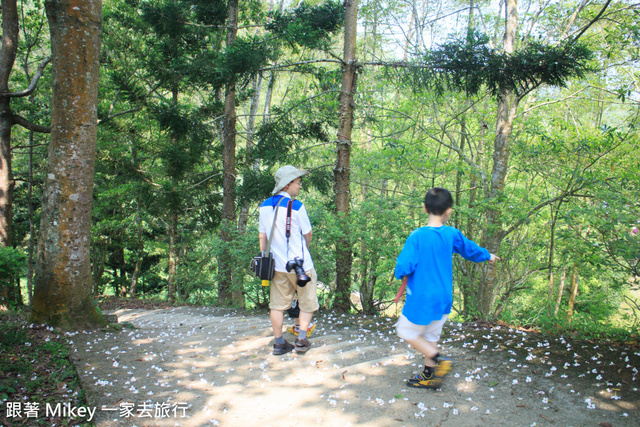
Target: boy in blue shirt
{"x":426,"y":260}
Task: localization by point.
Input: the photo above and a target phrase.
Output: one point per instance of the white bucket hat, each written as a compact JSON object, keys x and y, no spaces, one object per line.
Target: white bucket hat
{"x":285,"y":175}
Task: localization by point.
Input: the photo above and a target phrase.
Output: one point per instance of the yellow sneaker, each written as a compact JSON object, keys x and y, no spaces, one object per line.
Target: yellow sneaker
{"x":295,"y":330}
{"x":432,"y":380}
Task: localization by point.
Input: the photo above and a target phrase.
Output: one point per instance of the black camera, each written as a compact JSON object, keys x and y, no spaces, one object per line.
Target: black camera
{"x":296,"y":265}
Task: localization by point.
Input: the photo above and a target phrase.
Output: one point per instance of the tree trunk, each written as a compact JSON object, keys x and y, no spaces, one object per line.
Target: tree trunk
{"x":574,"y":292}
{"x":228,"y":294}
{"x":554,"y":217}
{"x":457,"y":223}
{"x":133,"y":286}
{"x":173,"y":256}
{"x":507,"y":107}
{"x":63,"y":282}
{"x":122,"y":283}
{"x":32,"y":224}
{"x":8,"y":51}
{"x":342,"y":170}
{"x":560,"y":290}
{"x":99,"y":262}
{"x":243,"y":218}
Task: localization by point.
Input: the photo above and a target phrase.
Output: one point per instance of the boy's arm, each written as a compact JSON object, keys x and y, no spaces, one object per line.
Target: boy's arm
{"x":470,"y":250}
{"x":403,"y":286}
{"x":406,"y":261}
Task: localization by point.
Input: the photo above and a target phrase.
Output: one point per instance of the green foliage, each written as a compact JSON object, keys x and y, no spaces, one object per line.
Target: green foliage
{"x":573,"y":160}
{"x":308,"y":25}
{"x":278,"y":138}
{"x":378,"y":228}
{"x":12,"y":262}
{"x":472,"y":64}
{"x":242,"y":247}
{"x":188,"y":139}
{"x":237,"y":63}
{"x":11,"y":335}
{"x":256,"y":186}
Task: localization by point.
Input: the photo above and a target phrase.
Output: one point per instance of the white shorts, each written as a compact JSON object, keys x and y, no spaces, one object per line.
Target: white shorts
{"x":409,"y":331}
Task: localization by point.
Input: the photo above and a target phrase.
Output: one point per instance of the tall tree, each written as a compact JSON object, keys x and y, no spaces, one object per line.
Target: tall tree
{"x":342,"y":170}
{"x":226,"y":294}
{"x":8,"y":52}
{"x":508,"y":99}
{"x":63,"y":284}
{"x":156,"y":77}
{"x":10,"y":288}
{"x":507,"y":108}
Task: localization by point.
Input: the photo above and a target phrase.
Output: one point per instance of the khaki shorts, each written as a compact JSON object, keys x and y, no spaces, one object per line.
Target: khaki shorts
{"x":283,"y":287}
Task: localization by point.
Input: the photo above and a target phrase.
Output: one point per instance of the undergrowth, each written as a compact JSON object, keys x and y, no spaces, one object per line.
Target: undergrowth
{"x":36,"y":376}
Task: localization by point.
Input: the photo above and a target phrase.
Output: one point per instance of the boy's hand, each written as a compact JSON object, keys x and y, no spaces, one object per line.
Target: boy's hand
{"x":494,"y":258}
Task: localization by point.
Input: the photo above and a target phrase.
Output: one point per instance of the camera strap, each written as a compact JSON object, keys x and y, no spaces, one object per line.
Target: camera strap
{"x":288,"y":228}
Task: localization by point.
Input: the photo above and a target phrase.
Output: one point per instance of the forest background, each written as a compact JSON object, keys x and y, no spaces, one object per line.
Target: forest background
{"x":526,"y":112}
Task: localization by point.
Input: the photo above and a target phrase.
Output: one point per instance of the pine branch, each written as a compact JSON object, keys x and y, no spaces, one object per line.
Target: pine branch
{"x":295,"y":64}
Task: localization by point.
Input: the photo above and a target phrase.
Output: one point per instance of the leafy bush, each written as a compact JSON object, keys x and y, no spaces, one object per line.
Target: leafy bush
{"x":12,"y":263}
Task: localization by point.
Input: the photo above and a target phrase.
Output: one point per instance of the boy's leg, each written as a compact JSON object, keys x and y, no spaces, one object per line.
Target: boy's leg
{"x":295,"y":329}
{"x":427,"y":348}
{"x":294,"y":313}
{"x":424,"y":338}
{"x":443,"y":365}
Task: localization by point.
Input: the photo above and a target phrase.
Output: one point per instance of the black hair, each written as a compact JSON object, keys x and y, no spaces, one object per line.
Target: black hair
{"x":438,"y":200}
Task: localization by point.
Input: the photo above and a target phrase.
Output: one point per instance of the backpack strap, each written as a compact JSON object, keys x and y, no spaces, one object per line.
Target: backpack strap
{"x":273,"y":226}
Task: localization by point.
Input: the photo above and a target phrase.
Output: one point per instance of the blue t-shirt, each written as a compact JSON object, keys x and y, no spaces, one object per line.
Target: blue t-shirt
{"x":427,"y":258}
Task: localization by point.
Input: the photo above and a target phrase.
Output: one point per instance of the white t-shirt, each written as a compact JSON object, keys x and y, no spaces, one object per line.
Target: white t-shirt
{"x":300,"y":226}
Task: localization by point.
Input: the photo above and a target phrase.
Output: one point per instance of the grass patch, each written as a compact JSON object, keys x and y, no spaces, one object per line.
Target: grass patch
{"x":35,"y":371}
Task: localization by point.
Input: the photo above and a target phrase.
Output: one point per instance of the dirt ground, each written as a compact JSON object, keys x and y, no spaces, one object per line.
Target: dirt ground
{"x":189,"y":366}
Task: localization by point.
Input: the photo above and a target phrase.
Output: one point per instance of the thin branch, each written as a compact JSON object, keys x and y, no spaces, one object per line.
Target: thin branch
{"x":535,"y":209}
{"x":593,"y":21}
{"x":21,"y":147}
{"x":206,"y":179}
{"x":573,"y":17}
{"x":551,"y":102}
{"x":32,"y":86}
{"x":121,"y":113}
{"x":30,"y":125}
